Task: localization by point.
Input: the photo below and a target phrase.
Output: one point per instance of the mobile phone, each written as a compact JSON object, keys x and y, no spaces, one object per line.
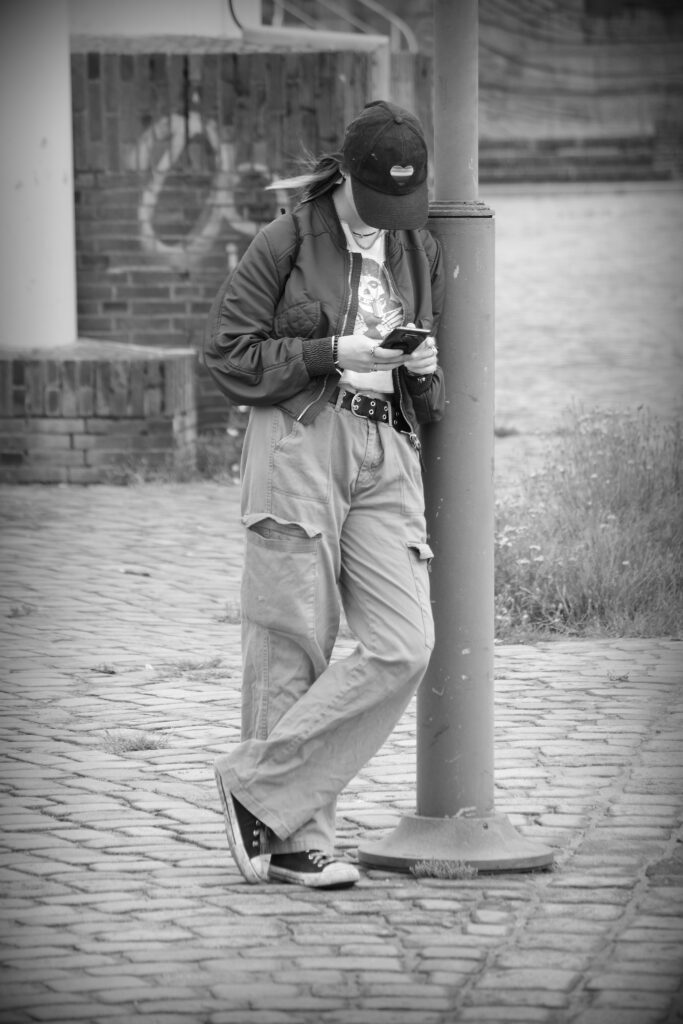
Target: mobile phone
{"x":405,"y":339}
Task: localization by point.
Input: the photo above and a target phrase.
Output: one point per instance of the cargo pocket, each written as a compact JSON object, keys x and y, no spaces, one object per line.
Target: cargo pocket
{"x":420,"y":556}
{"x":280,"y":578}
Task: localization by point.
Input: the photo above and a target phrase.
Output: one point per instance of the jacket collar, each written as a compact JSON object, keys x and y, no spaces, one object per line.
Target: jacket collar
{"x":328,"y":212}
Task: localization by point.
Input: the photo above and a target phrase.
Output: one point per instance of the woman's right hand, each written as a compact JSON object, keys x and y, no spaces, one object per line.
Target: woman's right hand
{"x":362,"y":354}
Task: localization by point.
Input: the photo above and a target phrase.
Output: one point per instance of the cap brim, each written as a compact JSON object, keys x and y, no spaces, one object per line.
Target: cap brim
{"x":394,"y":213}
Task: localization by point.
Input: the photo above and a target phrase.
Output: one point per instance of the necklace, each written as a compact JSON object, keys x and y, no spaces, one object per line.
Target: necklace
{"x":374,"y":235}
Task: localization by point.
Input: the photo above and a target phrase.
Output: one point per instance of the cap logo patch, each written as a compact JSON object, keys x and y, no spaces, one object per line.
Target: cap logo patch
{"x":401,"y":174}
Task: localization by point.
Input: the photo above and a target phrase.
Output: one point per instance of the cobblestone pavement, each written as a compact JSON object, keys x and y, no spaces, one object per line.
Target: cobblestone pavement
{"x":120,"y":685}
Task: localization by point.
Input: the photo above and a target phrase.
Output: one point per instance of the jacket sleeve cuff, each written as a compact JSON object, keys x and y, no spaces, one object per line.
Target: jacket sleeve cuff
{"x":318,"y":357}
{"x":419,"y":385}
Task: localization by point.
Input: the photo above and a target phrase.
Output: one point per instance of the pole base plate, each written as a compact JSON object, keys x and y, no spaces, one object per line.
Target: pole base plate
{"x":488,"y":843}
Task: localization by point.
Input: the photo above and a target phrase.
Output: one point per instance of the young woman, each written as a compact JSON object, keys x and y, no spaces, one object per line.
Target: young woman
{"x":332,"y":497}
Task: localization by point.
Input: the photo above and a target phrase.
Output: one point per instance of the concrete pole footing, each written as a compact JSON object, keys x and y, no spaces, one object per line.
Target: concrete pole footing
{"x":489,"y":843}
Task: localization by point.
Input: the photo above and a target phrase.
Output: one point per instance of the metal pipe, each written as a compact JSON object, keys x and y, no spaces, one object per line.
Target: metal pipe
{"x":455,"y":701}
{"x":455,"y":704}
{"x":455,"y":820}
{"x":456,"y":100}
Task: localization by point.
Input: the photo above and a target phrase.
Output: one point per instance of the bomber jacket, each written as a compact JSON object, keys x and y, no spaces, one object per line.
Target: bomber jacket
{"x":269,"y":336}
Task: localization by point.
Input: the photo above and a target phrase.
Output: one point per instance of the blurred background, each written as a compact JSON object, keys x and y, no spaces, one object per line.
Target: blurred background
{"x":180,"y":114}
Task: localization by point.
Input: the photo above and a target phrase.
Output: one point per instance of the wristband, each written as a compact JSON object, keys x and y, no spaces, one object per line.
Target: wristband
{"x":335,"y":350}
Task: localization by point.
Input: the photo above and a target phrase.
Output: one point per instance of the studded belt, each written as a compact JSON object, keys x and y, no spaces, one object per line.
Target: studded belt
{"x":367,"y":407}
{"x":370,"y":407}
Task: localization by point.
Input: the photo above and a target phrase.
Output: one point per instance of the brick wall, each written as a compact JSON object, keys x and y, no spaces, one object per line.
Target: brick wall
{"x":79,"y":414}
{"x":171,"y":155}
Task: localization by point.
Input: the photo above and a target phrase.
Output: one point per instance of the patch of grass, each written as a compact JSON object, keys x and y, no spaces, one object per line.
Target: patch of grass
{"x":595,"y":544}
{"x":19,"y":611}
{"x":443,"y":869}
{"x":233,"y":613}
{"x":191,"y":669}
{"x":185,"y":665}
{"x":123,"y":741}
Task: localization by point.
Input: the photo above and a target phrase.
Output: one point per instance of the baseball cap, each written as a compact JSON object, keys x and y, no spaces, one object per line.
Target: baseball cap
{"x":385,"y":155}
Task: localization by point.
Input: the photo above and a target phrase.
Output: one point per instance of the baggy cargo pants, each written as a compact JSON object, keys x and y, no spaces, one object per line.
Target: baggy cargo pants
{"x":334,"y":512}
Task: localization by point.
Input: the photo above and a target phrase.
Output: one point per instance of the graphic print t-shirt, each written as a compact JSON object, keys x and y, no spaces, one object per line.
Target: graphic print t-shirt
{"x":379,"y":311}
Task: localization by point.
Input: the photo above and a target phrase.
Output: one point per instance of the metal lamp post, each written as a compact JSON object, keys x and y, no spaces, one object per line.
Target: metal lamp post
{"x":455,"y":820}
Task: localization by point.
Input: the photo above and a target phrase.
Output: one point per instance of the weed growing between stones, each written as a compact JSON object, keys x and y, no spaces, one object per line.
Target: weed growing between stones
{"x":123,"y":741}
{"x":456,"y":869}
{"x":595,"y":545}
{"x":233,"y":613}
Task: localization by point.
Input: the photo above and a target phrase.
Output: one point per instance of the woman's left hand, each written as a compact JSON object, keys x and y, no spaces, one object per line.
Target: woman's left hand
{"x":423,"y":360}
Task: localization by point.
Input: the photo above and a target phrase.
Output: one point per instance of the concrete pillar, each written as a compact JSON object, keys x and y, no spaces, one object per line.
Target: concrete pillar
{"x":38,"y":278}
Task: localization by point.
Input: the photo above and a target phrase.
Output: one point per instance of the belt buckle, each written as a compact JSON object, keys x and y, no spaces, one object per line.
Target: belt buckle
{"x":354,"y":408}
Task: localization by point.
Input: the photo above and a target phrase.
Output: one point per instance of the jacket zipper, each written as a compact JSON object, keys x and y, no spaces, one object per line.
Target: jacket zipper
{"x":313,"y":401}
{"x":345,"y":327}
{"x":412,"y":436}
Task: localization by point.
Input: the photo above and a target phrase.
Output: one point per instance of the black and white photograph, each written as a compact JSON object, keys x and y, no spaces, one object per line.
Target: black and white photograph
{"x":341,"y":512}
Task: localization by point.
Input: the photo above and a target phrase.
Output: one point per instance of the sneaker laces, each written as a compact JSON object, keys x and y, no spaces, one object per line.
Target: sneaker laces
{"x":320,"y":859}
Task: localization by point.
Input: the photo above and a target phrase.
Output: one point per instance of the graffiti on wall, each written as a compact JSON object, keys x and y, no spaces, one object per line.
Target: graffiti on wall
{"x":158,"y":150}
